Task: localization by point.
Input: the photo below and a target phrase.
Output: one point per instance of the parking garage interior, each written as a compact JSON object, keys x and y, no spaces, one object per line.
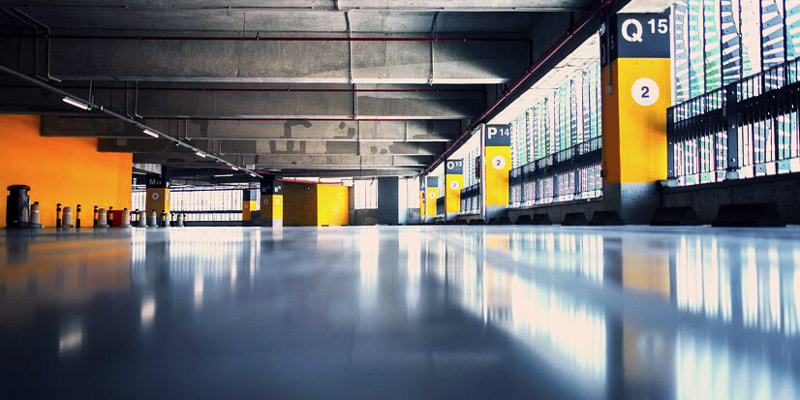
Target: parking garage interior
{"x":500,"y":199}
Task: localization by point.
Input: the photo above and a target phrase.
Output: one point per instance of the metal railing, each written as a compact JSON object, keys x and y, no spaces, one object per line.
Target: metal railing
{"x":471,"y":199}
{"x":569,"y":175}
{"x":440,"y":207}
{"x":746,"y":129}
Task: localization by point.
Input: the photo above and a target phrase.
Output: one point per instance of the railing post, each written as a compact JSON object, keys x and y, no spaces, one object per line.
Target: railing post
{"x":671,"y":143}
{"x":732,"y":122}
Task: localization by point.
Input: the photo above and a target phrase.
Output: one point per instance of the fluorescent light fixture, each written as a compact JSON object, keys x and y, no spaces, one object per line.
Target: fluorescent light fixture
{"x":223,"y":176}
{"x":150,"y":133}
{"x":200,"y":154}
{"x":235,"y":168}
{"x":76,"y":103}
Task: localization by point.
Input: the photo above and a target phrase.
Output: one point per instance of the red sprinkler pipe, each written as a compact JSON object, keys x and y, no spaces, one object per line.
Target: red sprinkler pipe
{"x":571,"y":32}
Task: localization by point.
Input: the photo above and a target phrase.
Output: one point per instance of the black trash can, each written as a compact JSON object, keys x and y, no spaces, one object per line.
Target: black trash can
{"x":18,"y":207}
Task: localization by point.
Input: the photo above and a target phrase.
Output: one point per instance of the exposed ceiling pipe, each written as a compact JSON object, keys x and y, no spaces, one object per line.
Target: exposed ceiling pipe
{"x":278,"y":38}
{"x":335,"y":9}
{"x":88,"y":106}
{"x":348,"y":119}
{"x":266,"y":90}
{"x":563,"y":41}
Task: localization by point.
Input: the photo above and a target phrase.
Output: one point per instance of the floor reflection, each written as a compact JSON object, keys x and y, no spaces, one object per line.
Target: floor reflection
{"x":420,"y":312}
{"x":748,"y":285}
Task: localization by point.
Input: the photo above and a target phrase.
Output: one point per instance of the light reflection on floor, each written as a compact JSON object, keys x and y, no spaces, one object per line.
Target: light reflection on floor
{"x":411,"y":312}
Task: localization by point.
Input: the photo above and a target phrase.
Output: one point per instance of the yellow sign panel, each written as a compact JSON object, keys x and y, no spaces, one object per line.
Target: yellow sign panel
{"x":272,"y":207}
{"x":498,"y":165}
{"x":635,"y":119}
{"x":432,"y":194}
{"x":158,"y":199}
{"x":248,"y":206}
{"x":452,"y":196}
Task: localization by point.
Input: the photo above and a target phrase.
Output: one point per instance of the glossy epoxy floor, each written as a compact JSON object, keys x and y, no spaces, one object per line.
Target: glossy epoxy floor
{"x":401,"y":313}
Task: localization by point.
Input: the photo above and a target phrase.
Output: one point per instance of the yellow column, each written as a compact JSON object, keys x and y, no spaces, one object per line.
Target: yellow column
{"x":157,"y":194}
{"x":454,"y":182}
{"x":431,"y":194}
{"x":249,"y":204}
{"x":636,"y":80}
{"x":497,"y":165}
{"x":271,"y":202}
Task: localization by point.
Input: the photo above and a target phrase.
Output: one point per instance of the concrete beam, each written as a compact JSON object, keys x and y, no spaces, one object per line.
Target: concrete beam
{"x":258,"y":147}
{"x":284,"y":162}
{"x":285,"y":61}
{"x":314,"y":6}
{"x":255,"y":101}
{"x":390,"y":131}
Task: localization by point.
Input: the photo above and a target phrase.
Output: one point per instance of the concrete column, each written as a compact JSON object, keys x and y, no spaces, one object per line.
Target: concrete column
{"x":496,"y":166}
{"x":158,"y":192}
{"x":454,"y":182}
{"x":388,"y":201}
{"x":636,"y":81}
{"x":271,"y":202}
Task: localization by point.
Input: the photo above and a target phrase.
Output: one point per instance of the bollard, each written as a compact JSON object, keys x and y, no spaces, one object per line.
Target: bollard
{"x":172,"y":220}
{"x":58,"y":216}
{"x":78,"y":217}
{"x":94,"y":217}
{"x":142,"y":220}
{"x":67,"y":220}
{"x":18,"y":207}
{"x":102,"y":218}
{"x":164,"y":219}
{"x":179,"y":220}
{"x":36,"y":219}
{"x":126,"y":218}
{"x":110,"y":216}
{"x":152,"y":220}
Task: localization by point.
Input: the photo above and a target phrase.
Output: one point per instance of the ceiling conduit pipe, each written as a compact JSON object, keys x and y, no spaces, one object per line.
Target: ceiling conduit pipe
{"x":277,"y":38}
{"x":571,"y":32}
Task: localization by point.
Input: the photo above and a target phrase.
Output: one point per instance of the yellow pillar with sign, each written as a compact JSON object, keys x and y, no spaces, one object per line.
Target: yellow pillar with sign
{"x":431,"y":194}
{"x":497,"y":165}
{"x":157,"y":194}
{"x":454,"y":182}
{"x":249,"y":204}
{"x":271,"y":203}
{"x":636,"y":81}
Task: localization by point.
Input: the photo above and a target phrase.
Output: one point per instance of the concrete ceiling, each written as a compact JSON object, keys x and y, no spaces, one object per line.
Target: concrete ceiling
{"x":326,"y":87}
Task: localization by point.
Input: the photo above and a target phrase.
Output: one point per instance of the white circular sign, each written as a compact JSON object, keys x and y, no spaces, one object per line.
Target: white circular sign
{"x":155,"y":196}
{"x":277,"y":201}
{"x":432,"y":195}
{"x":498,"y":162}
{"x":454,"y":185}
{"x":645,"y":92}
{"x":246,"y":206}
{"x":266,"y":201}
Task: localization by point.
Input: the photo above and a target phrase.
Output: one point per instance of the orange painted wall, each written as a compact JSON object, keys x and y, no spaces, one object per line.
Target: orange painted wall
{"x":333,"y":204}
{"x":69,"y":171}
